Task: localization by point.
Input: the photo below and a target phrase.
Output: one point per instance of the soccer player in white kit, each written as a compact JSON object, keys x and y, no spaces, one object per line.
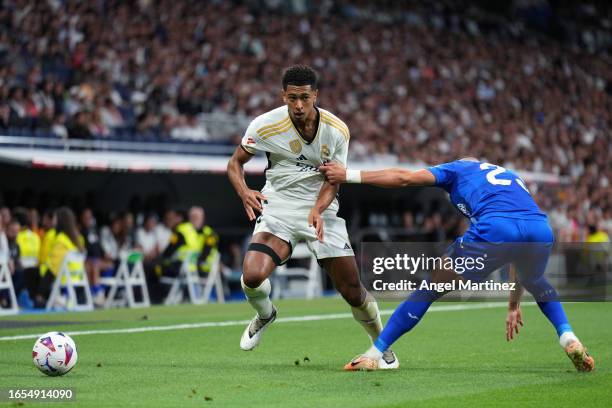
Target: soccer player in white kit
{"x":297,"y":203}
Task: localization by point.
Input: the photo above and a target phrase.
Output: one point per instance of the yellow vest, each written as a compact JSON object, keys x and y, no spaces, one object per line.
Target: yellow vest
{"x":29,"y":248}
{"x":192,"y":241}
{"x":208,"y":239}
{"x":45,"y":248}
{"x":599,"y":236}
{"x":61,"y":246}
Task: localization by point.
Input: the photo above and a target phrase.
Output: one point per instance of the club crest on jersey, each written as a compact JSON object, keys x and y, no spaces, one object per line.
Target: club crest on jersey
{"x":295,"y":146}
{"x":325,"y":152}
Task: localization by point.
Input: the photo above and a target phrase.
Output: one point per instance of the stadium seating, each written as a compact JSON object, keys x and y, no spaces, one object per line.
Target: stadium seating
{"x":71,"y":289}
{"x":6,"y":287}
{"x":128,"y":287}
{"x":199,"y":289}
{"x":298,"y":281}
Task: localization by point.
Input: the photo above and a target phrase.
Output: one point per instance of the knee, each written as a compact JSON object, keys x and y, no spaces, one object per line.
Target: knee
{"x":253,"y":277}
{"x":353,"y":294}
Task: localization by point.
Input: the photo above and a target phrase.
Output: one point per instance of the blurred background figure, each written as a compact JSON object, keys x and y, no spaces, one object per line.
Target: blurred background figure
{"x":96,"y":260}
{"x":14,"y":260}
{"x":208,"y":240}
{"x":67,"y":238}
{"x":29,"y":251}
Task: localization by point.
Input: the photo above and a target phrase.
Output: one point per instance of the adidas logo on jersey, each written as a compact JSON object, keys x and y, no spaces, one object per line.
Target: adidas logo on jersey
{"x":347,"y":246}
{"x":302,"y":157}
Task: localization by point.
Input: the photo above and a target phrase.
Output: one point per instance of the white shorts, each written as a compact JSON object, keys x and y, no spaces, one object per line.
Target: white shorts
{"x":293,"y":227}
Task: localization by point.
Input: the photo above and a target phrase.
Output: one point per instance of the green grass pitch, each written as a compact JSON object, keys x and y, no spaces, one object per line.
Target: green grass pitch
{"x":453,"y":358}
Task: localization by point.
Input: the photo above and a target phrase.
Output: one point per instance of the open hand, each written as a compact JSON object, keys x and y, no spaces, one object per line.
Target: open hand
{"x":251,"y":200}
{"x":513,"y":320}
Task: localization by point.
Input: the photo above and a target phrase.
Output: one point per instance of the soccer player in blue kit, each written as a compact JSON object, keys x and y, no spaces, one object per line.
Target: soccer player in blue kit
{"x":501,"y":211}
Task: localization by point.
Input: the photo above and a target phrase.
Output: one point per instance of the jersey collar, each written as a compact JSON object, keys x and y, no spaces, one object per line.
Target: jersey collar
{"x":300,"y":133}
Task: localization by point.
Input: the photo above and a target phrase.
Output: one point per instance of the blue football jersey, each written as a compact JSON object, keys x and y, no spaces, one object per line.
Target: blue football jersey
{"x":482,"y":189}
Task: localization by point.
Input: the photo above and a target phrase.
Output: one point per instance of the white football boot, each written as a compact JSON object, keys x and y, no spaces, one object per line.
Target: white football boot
{"x":388,"y":361}
{"x":252,"y":334}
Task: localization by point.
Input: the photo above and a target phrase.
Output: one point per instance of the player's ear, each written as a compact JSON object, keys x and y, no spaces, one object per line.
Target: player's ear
{"x":284,"y":96}
{"x":315,"y":93}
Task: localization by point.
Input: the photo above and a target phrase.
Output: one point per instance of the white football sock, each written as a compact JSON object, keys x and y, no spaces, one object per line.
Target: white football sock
{"x":259,"y":298}
{"x":567,"y":338}
{"x":368,"y":316}
{"x":374,"y":353}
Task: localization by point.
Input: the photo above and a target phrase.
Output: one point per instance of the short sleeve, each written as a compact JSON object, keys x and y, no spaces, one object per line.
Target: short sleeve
{"x":341,"y":152}
{"x":251,"y":142}
{"x":444,"y":173}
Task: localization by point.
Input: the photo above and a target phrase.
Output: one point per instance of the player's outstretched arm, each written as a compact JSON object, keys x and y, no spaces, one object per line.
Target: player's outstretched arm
{"x":251,"y":199}
{"x":335,"y":173}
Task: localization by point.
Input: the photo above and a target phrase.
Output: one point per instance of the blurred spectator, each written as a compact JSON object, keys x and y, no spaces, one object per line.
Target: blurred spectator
{"x":147,"y":238}
{"x":50,"y":233}
{"x":190,"y":129}
{"x":95,"y":262}
{"x":169,"y":263}
{"x":79,"y":129}
{"x":33,"y":222}
{"x":164,"y":229}
{"x":29,"y":251}
{"x":208,"y":240}
{"x":183,"y":241}
{"x":110,"y":115}
{"x":597,"y":234}
{"x":112,"y":239}
{"x":4,"y":248}
{"x":5,"y":116}
{"x":58,"y":126}
{"x":128,"y":230}
{"x":5,"y":216}
{"x":48,"y":221}
{"x":14,"y":261}
{"x":67,"y":239}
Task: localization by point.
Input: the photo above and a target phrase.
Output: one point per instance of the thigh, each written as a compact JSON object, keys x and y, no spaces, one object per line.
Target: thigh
{"x":475,"y":261}
{"x":276,"y":228}
{"x":531,"y":260}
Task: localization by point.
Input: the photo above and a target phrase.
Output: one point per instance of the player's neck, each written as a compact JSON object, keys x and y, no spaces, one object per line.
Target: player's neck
{"x":307,"y":127}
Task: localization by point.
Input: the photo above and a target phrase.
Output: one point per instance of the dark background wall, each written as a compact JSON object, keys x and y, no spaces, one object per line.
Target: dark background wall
{"x":117,"y":191}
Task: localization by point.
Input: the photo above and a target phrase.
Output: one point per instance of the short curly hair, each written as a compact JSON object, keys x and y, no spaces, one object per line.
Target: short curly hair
{"x":300,"y":75}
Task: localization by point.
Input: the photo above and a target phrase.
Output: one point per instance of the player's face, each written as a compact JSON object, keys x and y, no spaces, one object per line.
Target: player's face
{"x":301,"y":101}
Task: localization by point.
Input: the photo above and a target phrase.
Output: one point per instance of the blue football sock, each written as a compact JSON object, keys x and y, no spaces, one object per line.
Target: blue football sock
{"x":555,"y":313}
{"x":548,"y":301}
{"x":405,"y":317}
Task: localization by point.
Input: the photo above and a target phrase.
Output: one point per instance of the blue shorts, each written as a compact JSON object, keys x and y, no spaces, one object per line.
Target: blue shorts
{"x":496,"y":241}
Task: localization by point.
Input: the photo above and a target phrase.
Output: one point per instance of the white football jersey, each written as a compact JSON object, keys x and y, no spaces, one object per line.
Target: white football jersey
{"x":292,"y":177}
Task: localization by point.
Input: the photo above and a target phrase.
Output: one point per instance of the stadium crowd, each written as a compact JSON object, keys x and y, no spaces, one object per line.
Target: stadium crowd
{"x":421,"y":83}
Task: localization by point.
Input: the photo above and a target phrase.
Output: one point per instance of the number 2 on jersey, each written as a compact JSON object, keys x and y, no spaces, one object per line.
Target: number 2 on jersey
{"x":497,"y":170}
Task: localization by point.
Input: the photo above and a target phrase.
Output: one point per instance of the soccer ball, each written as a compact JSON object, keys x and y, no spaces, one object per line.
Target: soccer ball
{"x":54,"y":353}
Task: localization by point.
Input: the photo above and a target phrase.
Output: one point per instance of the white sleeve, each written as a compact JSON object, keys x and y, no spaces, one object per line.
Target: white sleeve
{"x":341,"y":152}
{"x":251,"y":142}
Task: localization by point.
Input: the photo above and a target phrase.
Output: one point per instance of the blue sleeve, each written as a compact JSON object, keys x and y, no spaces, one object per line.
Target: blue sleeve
{"x":444,"y":173}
